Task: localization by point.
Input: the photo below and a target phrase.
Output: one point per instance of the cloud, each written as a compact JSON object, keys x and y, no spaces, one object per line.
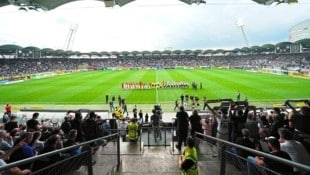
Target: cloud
{"x":144,"y":26}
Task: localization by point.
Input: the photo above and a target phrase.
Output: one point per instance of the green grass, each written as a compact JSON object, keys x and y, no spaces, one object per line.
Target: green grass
{"x":91,"y":87}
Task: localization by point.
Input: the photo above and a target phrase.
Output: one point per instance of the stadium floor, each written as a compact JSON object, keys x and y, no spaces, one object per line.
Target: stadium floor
{"x":152,"y":160}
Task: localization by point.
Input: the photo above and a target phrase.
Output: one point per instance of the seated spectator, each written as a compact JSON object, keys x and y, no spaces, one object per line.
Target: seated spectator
{"x":71,"y":141}
{"x":36,"y":144}
{"x":13,"y":170}
{"x":246,"y":141}
{"x":263,"y":135}
{"x":273,"y":165}
{"x":295,"y":149}
{"x":105,"y":128}
{"x":6,"y":141}
{"x":24,"y":152}
{"x":50,"y":145}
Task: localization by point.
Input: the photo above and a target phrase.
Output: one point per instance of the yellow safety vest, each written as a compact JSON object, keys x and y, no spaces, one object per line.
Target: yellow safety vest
{"x":191,"y":154}
{"x":133,"y":131}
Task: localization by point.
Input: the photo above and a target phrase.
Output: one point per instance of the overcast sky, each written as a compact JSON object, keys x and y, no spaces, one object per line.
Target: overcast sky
{"x":151,"y":25}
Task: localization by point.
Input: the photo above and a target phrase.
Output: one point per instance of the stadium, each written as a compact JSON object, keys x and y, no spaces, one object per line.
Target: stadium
{"x":267,"y":85}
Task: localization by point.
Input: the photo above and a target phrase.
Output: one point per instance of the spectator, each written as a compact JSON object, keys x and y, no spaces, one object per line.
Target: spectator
{"x":76,"y":123}
{"x":155,"y":119}
{"x":36,"y":144}
{"x":8,"y":109}
{"x":273,"y":165}
{"x":71,"y":141}
{"x":238,"y":118}
{"x":195,"y":123}
{"x":89,"y":127}
{"x":24,"y":152}
{"x":182,"y":127}
{"x":13,"y":170}
{"x":133,"y":132}
{"x":246,"y":141}
{"x":50,"y":145}
{"x":33,"y":124}
{"x":12,"y":126}
{"x":295,"y":149}
{"x":123,"y":128}
{"x":66,"y":125}
{"x":6,"y":141}
{"x":189,"y":160}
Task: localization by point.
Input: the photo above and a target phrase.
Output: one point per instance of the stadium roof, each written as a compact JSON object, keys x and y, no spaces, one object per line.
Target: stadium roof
{"x":10,"y":49}
{"x":52,"y":4}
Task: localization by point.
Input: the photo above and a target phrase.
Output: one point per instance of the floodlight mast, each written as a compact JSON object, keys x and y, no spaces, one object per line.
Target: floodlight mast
{"x":70,"y":38}
{"x":241,"y":25}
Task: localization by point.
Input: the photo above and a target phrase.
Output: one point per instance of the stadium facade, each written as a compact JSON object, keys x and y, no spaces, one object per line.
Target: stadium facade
{"x":300,"y":31}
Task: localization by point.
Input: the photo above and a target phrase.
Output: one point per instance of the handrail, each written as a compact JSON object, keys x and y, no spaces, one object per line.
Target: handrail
{"x":37,"y":157}
{"x":260,"y":153}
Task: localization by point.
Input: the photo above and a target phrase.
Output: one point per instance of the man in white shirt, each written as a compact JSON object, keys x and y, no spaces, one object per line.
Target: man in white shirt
{"x":295,"y":149}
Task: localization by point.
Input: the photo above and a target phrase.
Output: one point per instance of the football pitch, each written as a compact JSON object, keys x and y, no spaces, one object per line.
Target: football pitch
{"x":91,"y":87}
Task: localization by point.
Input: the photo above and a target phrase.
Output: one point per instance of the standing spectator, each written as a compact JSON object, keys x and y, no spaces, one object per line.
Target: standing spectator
{"x":112,"y":106}
{"x":189,"y":160}
{"x":252,"y":125}
{"x":155,"y":119}
{"x":106,"y":98}
{"x":66,"y":125}
{"x":76,"y":123}
{"x":206,"y":127}
{"x":277,"y":123}
{"x":146,"y":118}
{"x":140,"y":114}
{"x":195,"y":121}
{"x":176,"y":105}
{"x":89,"y":127}
{"x":133,"y":130}
{"x":119,"y":98}
{"x":182,"y":127}
{"x":223,"y":122}
{"x":125,"y":110}
{"x":12,"y":126}
{"x":113,"y":98}
{"x":33,"y":124}
{"x":182,"y":99}
{"x":123,"y":128}
{"x":238,"y":95}
{"x":238,"y":118}
{"x":135,"y":112}
{"x":8,"y":109}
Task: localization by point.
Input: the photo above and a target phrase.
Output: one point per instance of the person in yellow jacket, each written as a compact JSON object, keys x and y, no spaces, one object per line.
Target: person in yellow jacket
{"x":188,"y":162}
{"x":133,"y":129}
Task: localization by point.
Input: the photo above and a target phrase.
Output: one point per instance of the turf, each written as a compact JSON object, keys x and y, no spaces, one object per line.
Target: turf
{"x":90,"y":87}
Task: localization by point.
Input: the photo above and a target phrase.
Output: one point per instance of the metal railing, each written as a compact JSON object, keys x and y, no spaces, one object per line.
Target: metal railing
{"x":71,"y":164}
{"x":226,"y":157}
